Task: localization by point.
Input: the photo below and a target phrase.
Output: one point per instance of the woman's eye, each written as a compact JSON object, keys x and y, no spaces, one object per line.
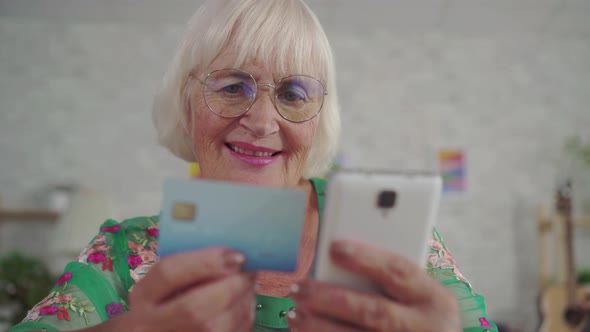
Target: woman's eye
{"x":293,"y":94}
{"x":234,"y":88}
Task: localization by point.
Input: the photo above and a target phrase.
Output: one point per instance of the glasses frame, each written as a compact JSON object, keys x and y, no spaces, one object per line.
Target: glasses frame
{"x":259,"y":85}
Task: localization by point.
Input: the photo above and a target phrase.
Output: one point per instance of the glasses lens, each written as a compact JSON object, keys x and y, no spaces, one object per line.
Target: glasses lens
{"x":229,"y":92}
{"x":299,"y":98}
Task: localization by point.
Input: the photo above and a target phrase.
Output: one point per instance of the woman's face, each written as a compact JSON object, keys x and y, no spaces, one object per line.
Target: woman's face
{"x":257,"y":147}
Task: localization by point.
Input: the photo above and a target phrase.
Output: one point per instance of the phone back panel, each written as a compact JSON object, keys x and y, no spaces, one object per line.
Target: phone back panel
{"x":353,"y":212}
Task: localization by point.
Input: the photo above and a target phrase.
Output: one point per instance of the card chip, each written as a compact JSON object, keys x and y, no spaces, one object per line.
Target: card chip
{"x":184,"y":211}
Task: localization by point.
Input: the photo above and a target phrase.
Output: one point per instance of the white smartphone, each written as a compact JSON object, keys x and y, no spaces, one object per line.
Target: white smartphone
{"x":392,"y":211}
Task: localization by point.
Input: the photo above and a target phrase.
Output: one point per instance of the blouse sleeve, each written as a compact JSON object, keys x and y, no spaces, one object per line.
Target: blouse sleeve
{"x":443,"y":267}
{"x":91,"y":290}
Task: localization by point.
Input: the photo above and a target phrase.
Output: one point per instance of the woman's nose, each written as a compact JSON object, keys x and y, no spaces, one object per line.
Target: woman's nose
{"x":262,"y":118}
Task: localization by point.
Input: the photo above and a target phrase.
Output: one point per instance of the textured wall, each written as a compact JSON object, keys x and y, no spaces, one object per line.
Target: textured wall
{"x":75,"y":107}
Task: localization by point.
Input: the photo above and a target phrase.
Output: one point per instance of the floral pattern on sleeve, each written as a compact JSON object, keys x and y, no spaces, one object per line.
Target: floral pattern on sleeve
{"x":143,"y":250}
{"x":132,"y":243}
{"x":440,"y":258}
{"x":60,"y":302}
{"x":98,"y":252}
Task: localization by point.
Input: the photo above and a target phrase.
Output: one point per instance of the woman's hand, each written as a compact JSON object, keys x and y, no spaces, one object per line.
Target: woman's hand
{"x":412,"y":300}
{"x":196,"y":291}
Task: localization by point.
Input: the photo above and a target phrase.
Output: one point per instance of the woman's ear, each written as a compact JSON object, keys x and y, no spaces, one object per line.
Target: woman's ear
{"x":188,"y":118}
{"x":187,"y":127}
{"x":187,"y":112}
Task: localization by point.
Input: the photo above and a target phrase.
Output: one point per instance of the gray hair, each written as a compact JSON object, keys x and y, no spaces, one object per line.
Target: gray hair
{"x":284,"y":33}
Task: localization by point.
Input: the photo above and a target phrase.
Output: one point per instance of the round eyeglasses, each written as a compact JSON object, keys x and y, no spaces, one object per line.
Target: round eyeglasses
{"x":232,"y":92}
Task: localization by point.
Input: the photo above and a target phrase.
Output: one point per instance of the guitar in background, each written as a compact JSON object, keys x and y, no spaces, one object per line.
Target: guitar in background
{"x":565,"y":306}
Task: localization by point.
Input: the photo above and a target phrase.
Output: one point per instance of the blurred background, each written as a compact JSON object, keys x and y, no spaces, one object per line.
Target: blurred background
{"x":504,"y":85}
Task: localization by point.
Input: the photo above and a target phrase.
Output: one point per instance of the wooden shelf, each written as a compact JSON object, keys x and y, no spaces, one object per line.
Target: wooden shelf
{"x":28,"y":214}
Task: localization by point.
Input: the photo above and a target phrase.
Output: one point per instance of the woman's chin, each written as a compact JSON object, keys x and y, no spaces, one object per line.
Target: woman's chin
{"x":268,"y":177}
{"x":259,"y":178}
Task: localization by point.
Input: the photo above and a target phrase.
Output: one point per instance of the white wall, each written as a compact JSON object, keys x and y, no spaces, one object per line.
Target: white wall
{"x":507,"y":81}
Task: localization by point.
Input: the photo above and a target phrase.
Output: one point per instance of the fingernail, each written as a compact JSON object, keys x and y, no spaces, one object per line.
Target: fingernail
{"x":295,"y":317}
{"x":234,"y":259}
{"x":342,"y":248}
{"x":298,"y":290}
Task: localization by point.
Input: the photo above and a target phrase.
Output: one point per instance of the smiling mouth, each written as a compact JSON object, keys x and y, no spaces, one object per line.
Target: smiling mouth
{"x":251,"y":152}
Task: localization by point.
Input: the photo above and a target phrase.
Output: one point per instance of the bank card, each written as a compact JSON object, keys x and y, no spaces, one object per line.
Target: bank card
{"x":263,"y":223}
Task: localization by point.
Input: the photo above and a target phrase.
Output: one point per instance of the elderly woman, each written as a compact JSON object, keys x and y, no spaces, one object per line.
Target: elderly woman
{"x":251,"y":96}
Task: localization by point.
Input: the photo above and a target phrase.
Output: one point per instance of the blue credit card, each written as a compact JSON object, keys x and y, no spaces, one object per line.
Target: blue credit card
{"x":263,"y":223}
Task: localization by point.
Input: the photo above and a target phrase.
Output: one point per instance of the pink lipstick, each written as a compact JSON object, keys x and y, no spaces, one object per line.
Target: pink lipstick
{"x":252,"y":154}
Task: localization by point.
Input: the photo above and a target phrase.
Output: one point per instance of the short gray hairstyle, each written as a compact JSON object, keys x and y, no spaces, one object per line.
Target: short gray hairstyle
{"x":283,"y":33}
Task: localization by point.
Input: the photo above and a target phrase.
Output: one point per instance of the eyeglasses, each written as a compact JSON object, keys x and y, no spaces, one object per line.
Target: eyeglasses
{"x":231,"y":92}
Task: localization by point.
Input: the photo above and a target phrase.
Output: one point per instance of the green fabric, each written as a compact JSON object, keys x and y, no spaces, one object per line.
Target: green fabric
{"x":32,"y":326}
{"x":273,"y":310}
{"x":479,"y":329}
{"x":99,"y":286}
{"x":94,"y":285}
{"x":120,"y":262}
{"x":320,"y":189}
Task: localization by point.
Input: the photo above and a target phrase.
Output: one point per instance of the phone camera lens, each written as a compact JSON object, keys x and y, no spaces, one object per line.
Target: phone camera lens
{"x":386,"y":199}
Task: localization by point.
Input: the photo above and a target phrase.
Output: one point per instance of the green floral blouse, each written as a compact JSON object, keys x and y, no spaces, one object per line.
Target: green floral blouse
{"x":95,"y":288}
